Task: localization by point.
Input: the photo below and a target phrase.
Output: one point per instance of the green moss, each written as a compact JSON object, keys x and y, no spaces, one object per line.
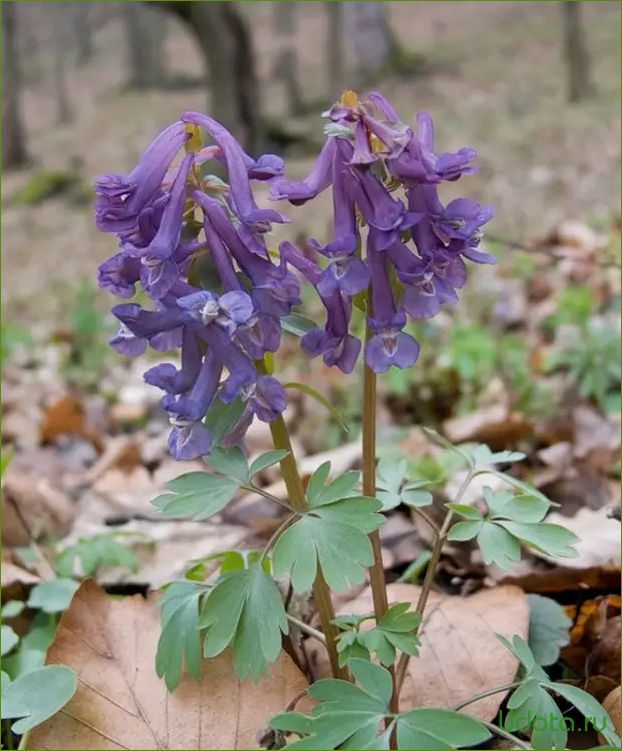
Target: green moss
{"x":46,"y":184}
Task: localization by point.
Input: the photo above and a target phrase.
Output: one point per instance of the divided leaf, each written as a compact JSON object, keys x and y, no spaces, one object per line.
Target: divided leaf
{"x":351,"y":716}
{"x":245,"y":610}
{"x":92,"y":552}
{"x":229,"y":461}
{"x":549,"y":628}
{"x":333,"y":534}
{"x":52,"y":596}
{"x":197,"y":494}
{"x":178,"y":644}
{"x":36,"y":696}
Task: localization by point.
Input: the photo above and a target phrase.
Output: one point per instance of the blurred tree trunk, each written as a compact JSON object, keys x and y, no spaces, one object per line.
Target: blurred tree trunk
{"x":145,"y":30}
{"x":373,"y":39}
{"x":334,"y":52}
{"x":13,"y":141}
{"x":287,"y":63}
{"x":63,"y":109}
{"x":83,"y":32}
{"x":575,"y":50}
{"x":229,"y":61}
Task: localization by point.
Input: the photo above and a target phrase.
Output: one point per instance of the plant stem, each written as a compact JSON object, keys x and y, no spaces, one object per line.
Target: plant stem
{"x":505,"y":734}
{"x":321,"y":592}
{"x":260,"y":491}
{"x":376,"y":572}
{"x":275,"y":536}
{"x":307,"y":629}
{"x":484,"y":694}
{"x":430,"y":574}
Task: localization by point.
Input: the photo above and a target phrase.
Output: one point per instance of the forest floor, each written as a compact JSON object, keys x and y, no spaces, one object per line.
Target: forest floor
{"x":496,"y":80}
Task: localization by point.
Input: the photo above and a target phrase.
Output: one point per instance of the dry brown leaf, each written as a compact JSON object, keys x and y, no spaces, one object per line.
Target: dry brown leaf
{"x":495,"y":425}
{"x":599,"y":538}
{"x":460,"y":655}
{"x":121,"y":703}
{"x":32,"y":508}
{"x":612,"y":706}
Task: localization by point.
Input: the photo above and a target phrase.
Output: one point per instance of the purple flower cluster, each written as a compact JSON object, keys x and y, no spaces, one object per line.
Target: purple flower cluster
{"x":196,"y":245}
{"x":384,"y":176}
{"x":169,"y":215}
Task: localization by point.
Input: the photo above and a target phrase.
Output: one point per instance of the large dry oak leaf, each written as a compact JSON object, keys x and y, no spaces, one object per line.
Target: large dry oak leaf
{"x":121,"y":703}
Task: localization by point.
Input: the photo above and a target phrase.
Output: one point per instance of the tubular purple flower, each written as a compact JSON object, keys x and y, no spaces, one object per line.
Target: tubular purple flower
{"x":120,"y":198}
{"x":119,"y":275}
{"x":298,"y":192}
{"x":258,"y":220}
{"x":165,"y":241}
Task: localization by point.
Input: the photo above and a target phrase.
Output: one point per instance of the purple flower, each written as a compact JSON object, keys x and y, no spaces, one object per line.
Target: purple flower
{"x":228,"y":310}
{"x":264,"y":394}
{"x":257,"y":220}
{"x":390,"y":345}
{"x":165,"y":241}
{"x":120,"y":198}
{"x":298,"y":192}
{"x":119,"y":275}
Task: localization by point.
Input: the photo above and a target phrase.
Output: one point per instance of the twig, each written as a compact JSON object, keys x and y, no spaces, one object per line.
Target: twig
{"x":47,"y":570}
{"x":306,"y":628}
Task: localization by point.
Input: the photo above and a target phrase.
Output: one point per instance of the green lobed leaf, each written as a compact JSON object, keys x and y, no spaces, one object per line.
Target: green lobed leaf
{"x":497,"y":545}
{"x":333,"y":534}
{"x":23,"y":660}
{"x":466,"y":511}
{"x":589,"y":707}
{"x":320,"y":493}
{"x":229,"y":461}
{"x":549,"y":628}
{"x":52,"y":596}
{"x":552,"y":539}
{"x":439,"y":729}
{"x":178,"y":644}
{"x":266,"y":460}
{"x":245,"y":610}
{"x":12,"y":608}
{"x":8,"y":639}
{"x":198,"y":495}
{"x":521,"y":508}
{"x":463,"y":531}
{"x":88,"y":554}
{"x":36,"y":696}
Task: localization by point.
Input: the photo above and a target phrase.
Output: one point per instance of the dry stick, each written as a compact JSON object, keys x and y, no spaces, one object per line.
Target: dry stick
{"x":321,"y":592}
{"x":426,"y":587}
{"x":376,"y":572}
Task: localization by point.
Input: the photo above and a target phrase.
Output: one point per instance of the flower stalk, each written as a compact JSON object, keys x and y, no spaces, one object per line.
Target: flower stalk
{"x":321,"y":592}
